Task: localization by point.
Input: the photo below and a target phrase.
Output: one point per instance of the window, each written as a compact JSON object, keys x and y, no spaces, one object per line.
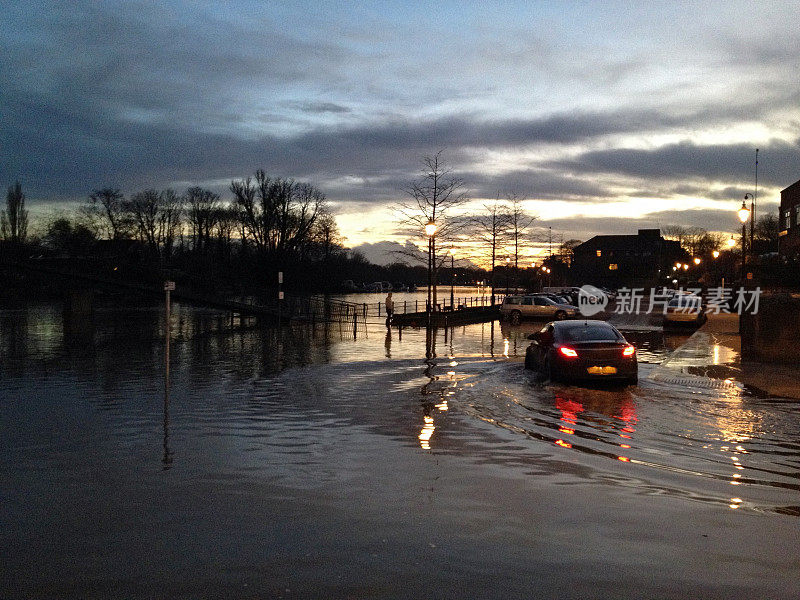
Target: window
{"x":527,"y":301}
{"x":599,"y":253}
{"x":797,"y":217}
{"x":595,"y":333}
{"x":612,"y":267}
{"x":543,"y":302}
{"x":787,"y":218}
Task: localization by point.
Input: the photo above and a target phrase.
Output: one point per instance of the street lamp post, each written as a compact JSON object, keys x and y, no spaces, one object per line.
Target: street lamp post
{"x":752,"y":217}
{"x":744,"y":214}
{"x":430,"y":231}
{"x":452,"y":277}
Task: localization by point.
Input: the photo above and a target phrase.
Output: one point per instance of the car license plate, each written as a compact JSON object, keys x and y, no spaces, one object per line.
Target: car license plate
{"x":602,"y":370}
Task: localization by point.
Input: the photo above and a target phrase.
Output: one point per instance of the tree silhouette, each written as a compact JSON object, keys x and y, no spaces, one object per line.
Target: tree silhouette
{"x":14,"y":219}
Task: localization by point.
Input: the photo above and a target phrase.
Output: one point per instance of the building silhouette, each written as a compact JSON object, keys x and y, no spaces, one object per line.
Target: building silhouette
{"x":617,"y":260}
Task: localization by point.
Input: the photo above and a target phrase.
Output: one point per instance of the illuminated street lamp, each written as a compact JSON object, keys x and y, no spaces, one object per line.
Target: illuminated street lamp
{"x":696,"y":260}
{"x":715,"y":254}
{"x":685,"y":267}
{"x":731,"y":242}
{"x":744,"y":214}
{"x":678,"y":265}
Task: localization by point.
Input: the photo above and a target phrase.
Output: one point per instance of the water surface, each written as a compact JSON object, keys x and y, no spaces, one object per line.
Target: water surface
{"x":315,"y":463}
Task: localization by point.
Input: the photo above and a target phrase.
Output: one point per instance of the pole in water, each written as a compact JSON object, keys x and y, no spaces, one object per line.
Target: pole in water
{"x":168,"y":287}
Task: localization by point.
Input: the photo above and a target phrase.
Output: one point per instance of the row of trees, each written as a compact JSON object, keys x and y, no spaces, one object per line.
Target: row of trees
{"x":274,"y":218}
{"x":700,"y":242}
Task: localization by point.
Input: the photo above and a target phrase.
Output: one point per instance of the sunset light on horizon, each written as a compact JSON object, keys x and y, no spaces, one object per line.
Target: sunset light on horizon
{"x":604,"y":118}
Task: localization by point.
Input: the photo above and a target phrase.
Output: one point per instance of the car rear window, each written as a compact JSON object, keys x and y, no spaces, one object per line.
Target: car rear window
{"x":589,"y":333}
{"x":685,"y":300}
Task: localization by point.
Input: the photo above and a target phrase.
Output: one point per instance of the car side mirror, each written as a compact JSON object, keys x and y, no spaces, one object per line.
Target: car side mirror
{"x":534,"y":336}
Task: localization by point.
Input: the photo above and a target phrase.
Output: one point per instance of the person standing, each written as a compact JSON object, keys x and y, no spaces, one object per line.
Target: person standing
{"x":389,"y":308}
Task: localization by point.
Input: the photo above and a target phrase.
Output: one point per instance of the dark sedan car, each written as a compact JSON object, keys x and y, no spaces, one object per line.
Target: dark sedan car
{"x":582,"y":351}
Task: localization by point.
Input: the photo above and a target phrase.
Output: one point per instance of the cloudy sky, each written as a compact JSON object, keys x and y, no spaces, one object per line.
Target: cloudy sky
{"x":606,"y":116}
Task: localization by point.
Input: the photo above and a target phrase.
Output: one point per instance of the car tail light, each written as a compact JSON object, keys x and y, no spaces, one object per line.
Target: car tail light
{"x":568,"y":352}
{"x":628,"y":350}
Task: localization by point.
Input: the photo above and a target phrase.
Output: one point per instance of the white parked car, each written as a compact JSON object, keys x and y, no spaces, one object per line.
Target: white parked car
{"x":533,"y":306}
{"x":684,"y":308}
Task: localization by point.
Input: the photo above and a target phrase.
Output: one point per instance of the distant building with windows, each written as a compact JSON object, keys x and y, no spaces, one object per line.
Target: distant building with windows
{"x":616,"y":260}
{"x":789,"y":235}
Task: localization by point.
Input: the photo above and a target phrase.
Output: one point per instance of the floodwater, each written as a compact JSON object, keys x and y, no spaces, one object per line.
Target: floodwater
{"x":315,"y":463}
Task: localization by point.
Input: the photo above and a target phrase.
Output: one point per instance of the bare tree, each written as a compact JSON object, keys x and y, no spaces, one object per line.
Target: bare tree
{"x":433,"y":198}
{"x":226,"y":221}
{"x":109,"y":204}
{"x":142,"y":210}
{"x":170,"y":219}
{"x":566,"y":250}
{"x":519,"y":224}
{"x":202,"y":208}
{"x":14,"y":220}
{"x":492,"y":228}
{"x":695,"y":240}
{"x":156,"y":218}
{"x":277,"y":214}
{"x":767,"y":231}
{"x":326,"y":235}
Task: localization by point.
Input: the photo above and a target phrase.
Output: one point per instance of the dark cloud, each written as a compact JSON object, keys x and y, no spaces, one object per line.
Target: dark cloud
{"x":583,"y":227}
{"x":779,"y":163}
{"x":323,"y":107}
{"x":539,"y":184}
{"x":145,"y":94}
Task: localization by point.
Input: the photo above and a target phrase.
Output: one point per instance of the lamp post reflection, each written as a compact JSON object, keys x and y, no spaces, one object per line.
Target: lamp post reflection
{"x":435,"y":391}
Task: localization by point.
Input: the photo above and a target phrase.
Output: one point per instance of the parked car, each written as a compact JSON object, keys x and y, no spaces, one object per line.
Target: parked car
{"x":532,"y":306}
{"x":685,"y":309}
{"x":582,"y":350}
{"x":559,"y":298}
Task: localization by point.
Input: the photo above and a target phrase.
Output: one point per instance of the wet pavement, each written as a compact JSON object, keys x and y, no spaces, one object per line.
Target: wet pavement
{"x":307,"y":463}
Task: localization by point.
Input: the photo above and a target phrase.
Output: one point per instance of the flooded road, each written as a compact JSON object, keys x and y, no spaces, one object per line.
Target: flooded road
{"x":312,"y":463}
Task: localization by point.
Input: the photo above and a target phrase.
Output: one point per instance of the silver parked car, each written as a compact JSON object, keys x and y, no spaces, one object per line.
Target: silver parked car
{"x":535,"y":306}
{"x":685,"y":309}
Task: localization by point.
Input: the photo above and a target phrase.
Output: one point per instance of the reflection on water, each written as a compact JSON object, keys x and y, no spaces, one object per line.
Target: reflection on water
{"x":309,"y":408}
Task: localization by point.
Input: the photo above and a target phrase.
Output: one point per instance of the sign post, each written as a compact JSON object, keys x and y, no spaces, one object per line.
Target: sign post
{"x":280,"y":295}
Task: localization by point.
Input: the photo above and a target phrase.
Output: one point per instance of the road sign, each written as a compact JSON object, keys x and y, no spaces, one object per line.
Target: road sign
{"x":169,"y":286}
{"x":280,"y":276}
{"x":280,"y":295}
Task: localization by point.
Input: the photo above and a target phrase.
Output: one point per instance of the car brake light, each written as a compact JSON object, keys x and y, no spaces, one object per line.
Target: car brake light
{"x":569,"y":352}
{"x":628,"y":350}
